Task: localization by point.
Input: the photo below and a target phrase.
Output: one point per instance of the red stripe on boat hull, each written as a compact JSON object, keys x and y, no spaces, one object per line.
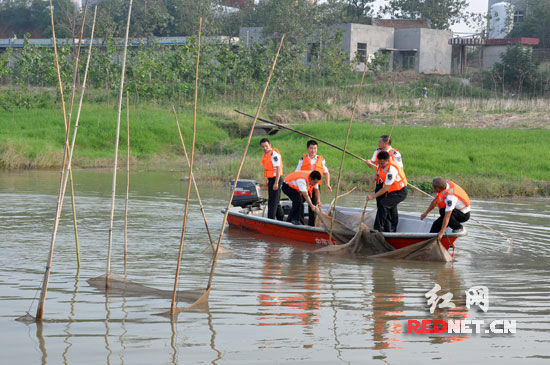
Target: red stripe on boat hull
{"x":299,"y":234}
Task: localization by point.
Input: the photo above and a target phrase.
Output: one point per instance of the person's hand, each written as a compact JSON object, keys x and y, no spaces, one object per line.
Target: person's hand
{"x":370,"y":196}
{"x":319,"y":203}
{"x":440,"y":236}
{"x":370,"y":163}
{"x":329,"y":188}
{"x":275,"y":186}
{"x":424,"y":215}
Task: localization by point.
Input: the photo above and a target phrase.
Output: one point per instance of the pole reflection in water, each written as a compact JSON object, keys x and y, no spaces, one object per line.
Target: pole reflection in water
{"x":213,"y":338}
{"x":279,"y":274}
{"x":124,"y":330}
{"x":107,"y":328}
{"x":71,"y":319}
{"x":173,"y":321}
{"x":41,"y":342}
{"x":337,"y":343}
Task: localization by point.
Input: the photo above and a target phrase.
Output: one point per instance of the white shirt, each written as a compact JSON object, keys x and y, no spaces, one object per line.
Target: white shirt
{"x":275,"y":159}
{"x":302,"y":185}
{"x":452,"y":202}
{"x":396,"y":156}
{"x":312,"y":161}
{"x":392,"y":176}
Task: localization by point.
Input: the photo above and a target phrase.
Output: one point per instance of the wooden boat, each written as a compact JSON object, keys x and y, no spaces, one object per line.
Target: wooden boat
{"x":410,"y":229}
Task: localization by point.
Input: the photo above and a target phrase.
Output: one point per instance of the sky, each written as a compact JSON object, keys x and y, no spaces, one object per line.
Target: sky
{"x":477,"y":6}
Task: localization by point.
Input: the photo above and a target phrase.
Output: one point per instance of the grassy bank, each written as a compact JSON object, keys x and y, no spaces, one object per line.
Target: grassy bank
{"x":487,"y":162}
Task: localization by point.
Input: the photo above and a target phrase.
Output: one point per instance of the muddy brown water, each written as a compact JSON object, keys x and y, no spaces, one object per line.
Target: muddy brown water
{"x":272,"y":301}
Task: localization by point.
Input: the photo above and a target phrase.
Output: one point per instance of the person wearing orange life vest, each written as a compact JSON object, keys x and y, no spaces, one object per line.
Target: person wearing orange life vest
{"x":273,"y":170}
{"x":384,"y":144}
{"x":298,"y":186}
{"x":454,"y":207}
{"x":313,"y":162}
{"x":393,"y":192}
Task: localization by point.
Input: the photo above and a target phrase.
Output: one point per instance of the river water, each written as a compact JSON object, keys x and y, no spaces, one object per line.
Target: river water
{"x":271,"y":301}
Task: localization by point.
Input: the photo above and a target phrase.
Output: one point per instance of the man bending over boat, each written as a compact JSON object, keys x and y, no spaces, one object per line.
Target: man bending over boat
{"x":273,"y":170}
{"x":298,"y":186}
{"x":454,"y":206}
{"x":310,"y":161}
{"x":393,"y":191}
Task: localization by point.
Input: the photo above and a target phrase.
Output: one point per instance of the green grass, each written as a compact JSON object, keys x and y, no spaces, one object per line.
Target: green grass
{"x":489,"y":162}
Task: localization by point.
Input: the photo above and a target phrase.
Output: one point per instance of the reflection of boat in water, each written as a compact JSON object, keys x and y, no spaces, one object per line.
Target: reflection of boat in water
{"x":410,"y":229}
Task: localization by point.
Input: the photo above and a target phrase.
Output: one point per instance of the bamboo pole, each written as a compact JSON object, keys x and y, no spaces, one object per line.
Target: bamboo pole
{"x":344,"y":153}
{"x":69,"y":117}
{"x":204,"y":296}
{"x":64,"y":173}
{"x":108,"y":270}
{"x":302,"y":133}
{"x":127,"y":182}
{"x":178,"y":265}
{"x":193,"y":178}
{"x":75,"y":225}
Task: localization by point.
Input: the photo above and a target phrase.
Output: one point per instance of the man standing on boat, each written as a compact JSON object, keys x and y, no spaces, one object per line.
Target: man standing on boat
{"x":273,"y":170}
{"x":394,"y":190}
{"x":454,"y":206}
{"x":384,"y":144}
{"x":312,"y":162}
{"x":298,"y":186}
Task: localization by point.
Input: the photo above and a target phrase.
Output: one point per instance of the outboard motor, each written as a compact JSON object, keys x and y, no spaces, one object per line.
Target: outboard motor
{"x":247,"y":193}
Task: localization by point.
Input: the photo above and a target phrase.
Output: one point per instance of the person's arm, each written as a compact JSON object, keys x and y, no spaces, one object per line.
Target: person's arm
{"x":317,"y":195}
{"x":382,"y":191}
{"x":277,"y":178}
{"x":432,"y":205}
{"x":371,"y":162}
{"x":308,"y":200}
{"x":299,"y":167}
{"x":444,"y":224}
{"x":327,"y":179}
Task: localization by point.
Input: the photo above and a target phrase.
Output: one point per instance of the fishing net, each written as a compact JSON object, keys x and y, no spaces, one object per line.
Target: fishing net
{"x":356,"y":238}
{"x":122,"y":287}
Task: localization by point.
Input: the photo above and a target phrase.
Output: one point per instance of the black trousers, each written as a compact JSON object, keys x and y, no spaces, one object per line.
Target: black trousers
{"x":387,"y":216}
{"x":310,"y":212}
{"x":297,"y":210}
{"x":457,"y":217}
{"x":274,"y":209}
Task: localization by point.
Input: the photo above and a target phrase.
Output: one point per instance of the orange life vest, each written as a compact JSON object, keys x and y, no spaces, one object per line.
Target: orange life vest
{"x":306,"y":165}
{"x":390,"y":152}
{"x":455,"y":190}
{"x":300,"y":174}
{"x":269,"y":170}
{"x":397,"y":185}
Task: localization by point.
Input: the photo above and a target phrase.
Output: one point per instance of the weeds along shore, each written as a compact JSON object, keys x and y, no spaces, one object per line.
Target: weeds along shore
{"x":493,"y":147}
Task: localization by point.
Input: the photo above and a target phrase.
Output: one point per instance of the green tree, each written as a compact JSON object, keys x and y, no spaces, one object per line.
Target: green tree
{"x":441,"y":13}
{"x":536,"y":23}
{"x":517,"y":70}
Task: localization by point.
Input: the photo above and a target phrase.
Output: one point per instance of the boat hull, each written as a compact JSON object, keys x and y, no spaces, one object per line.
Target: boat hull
{"x":318,"y":236}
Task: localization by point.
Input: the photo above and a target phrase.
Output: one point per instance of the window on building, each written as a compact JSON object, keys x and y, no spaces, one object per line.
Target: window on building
{"x":518,"y":16}
{"x":362,"y":52}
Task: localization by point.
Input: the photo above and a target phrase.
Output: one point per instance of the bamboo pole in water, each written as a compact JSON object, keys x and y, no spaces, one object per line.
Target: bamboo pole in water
{"x":194,"y":182}
{"x":344,"y":152}
{"x":178,"y":265}
{"x":64,"y":174}
{"x":69,"y":117}
{"x":204,"y":296}
{"x":108,"y":270}
{"x":127,"y":181}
